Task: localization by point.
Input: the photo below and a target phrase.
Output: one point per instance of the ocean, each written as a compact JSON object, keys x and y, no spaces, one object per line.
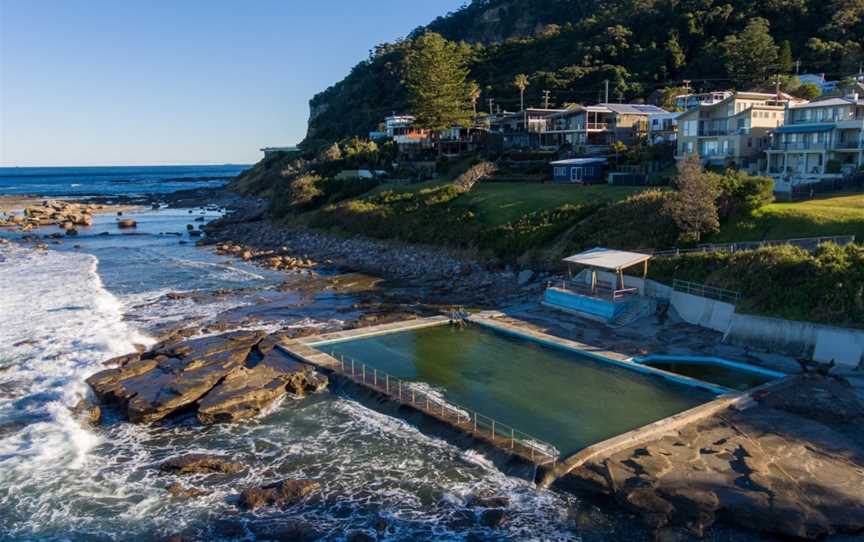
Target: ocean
{"x":66,"y":310}
{"x":112,"y":181}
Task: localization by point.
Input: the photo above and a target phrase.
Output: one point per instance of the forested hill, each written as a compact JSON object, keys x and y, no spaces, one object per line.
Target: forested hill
{"x":569,"y":47}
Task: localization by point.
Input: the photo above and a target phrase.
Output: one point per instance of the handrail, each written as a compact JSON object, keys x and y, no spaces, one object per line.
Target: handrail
{"x":599,"y":291}
{"x":476,"y":424}
{"x":803,"y":242}
{"x":703,"y":290}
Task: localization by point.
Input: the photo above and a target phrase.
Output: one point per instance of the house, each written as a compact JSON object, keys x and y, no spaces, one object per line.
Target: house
{"x":523,"y":129}
{"x":578,"y":170}
{"x":819,"y":80}
{"x":355,"y":174}
{"x":400,"y":128}
{"x":691,"y":101}
{"x":270,"y":151}
{"x":820,"y":140}
{"x":663,"y":128}
{"x":592,"y":129}
{"x":734,"y":131}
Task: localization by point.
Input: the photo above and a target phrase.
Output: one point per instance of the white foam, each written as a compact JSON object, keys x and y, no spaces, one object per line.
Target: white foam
{"x":57,"y":324}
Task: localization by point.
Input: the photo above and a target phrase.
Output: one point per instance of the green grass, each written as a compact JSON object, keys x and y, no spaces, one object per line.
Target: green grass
{"x":838,"y":215}
{"x":500,"y":203}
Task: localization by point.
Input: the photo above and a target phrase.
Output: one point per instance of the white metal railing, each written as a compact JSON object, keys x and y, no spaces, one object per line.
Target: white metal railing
{"x":703,"y":290}
{"x":478,"y":425}
{"x":603,"y":290}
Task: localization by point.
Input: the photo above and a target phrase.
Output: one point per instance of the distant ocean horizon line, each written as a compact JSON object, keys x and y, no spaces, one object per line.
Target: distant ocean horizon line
{"x":189,"y":164}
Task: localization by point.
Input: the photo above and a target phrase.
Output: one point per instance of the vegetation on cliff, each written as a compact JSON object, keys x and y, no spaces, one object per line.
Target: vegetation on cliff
{"x":570,"y":48}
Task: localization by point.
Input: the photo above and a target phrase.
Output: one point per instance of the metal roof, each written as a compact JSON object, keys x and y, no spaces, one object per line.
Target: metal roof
{"x":608,"y":258}
{"x":578,"y":161}
{"x":634,"y":109}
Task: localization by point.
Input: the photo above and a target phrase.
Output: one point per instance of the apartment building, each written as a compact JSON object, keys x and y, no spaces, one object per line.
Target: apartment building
{"x":735,"y":131}
{"x":819,"y":140}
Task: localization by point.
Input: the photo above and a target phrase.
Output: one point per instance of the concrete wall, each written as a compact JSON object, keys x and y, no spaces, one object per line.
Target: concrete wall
{"x":800,"y":339}
{"x":702,"y":311}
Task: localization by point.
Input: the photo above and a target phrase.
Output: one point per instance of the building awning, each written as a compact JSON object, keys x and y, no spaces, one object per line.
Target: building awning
{"x":804,"y":128}
{"x":607,"y":258}
{"x":578,"y":162}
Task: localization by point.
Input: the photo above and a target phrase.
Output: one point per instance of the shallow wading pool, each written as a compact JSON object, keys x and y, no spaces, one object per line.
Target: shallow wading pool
{"x":729,"y":374}
{"x":569,"y":400}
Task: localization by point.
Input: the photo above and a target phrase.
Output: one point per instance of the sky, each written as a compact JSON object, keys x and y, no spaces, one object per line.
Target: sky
{"x":129,"y":82}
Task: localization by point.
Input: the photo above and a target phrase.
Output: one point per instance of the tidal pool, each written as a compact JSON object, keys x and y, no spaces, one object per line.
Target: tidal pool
{"x":563,"y":398}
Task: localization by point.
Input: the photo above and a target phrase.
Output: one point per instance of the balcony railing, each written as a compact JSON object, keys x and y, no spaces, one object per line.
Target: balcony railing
{"x":799,"y":146}
{"x":597,"y":126}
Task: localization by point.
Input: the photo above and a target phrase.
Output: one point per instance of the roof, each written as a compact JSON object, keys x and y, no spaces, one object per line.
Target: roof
{"x":578,"y":161}
{"x":804,"y":128}
{"x":634,"y":109}
{"x":608,"y":258}
{"x":829,"y":102}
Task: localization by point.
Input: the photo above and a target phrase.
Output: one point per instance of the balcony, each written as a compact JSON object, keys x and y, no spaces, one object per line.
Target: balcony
{"x":798,"y":146}
{"x":597,"y":126}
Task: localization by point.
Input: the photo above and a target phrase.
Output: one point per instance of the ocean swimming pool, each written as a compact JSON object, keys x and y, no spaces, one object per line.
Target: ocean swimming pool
{"x":569,"y":400}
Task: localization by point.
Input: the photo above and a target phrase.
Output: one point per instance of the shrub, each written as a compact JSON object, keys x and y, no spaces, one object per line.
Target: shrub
{"x":742,"y":192}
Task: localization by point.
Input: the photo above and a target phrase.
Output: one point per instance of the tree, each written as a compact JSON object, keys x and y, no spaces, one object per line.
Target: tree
{"x":750,"y":56}
{"x":437,"y":82}
{"x":808,"y":91}
{"x":785,"y":62}
{"x":521,"y":82}
{"x":693,"y":207}
{"x":474,"y":95}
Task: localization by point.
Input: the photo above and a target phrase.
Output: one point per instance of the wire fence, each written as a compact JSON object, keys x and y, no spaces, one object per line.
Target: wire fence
{"x":478,"y":425}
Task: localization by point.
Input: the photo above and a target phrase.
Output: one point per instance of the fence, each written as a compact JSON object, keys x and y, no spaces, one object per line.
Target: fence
{"x":703,"y":290}
{"x":851,"y":183}
{"x":479,"y":426}
{"x":807,"y":243}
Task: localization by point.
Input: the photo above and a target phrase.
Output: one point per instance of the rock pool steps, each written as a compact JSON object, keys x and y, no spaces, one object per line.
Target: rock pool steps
{"x":224,"y":378}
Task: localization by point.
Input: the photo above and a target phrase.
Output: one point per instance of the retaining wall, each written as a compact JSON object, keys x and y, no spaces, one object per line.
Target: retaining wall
{"x":703,"y":312}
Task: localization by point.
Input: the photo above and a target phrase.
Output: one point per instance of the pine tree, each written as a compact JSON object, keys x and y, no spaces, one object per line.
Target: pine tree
{"x":751,"y":55}
{"x":474,"y":95}
{"x":785,"y":62}
{"x":437,"y":82}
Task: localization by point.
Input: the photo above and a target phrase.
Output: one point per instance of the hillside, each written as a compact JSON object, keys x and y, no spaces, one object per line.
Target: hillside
{"x":569,"y":47}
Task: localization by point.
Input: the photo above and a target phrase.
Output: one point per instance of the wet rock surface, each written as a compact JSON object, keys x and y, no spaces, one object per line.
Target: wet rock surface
{"x":201,"y":464}
{"x":763,"y":468}
{"x":280,"y":494}
{"x":223,"y":378}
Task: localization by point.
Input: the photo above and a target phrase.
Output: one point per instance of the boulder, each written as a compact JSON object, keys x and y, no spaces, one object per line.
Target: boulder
{"x":281,"y":494}
{"x":179,"y":491}
{"x":127,"y":223}
{"x":200,"y":464}
{"x":87,"y":412}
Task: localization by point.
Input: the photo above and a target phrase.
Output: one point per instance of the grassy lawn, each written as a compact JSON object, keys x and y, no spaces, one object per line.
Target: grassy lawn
{"x":839,"y":215}
{"x":499,"y":203}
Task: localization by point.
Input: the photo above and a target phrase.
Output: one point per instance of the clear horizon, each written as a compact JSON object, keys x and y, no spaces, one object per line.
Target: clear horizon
{"x":106,"y":84}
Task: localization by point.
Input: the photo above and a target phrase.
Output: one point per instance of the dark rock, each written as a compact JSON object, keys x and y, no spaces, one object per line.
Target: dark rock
{"x":360,"y":536}
{"x":280,"y":494}
{"x":489,"y":501}
{"x":127,"y":223}
{"x":179,"y":491}
{"x":87,"y":412}
{"x":492,"y":517}
{"x":200,"y":464}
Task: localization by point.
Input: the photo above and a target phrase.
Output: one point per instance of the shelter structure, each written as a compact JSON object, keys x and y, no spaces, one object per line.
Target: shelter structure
{"x":599,"y":289}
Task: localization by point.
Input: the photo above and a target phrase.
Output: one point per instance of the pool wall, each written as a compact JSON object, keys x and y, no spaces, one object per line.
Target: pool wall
{"x":710,"y":360}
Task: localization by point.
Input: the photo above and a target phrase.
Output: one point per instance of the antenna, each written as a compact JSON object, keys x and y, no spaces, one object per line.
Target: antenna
{"x":491,"y":101}
{"x":545,"y":99}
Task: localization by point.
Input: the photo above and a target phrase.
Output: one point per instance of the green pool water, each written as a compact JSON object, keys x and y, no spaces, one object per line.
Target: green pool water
{"x":722,"y":375}
{"x":558,"y":396}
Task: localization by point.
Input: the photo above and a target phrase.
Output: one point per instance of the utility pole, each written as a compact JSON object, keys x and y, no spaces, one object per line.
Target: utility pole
{"x":491,"y":101}
{"x":606,"y":83}
{"x":797,"y":67}
{"x":545,"y":99}
{"x":777,"y":86}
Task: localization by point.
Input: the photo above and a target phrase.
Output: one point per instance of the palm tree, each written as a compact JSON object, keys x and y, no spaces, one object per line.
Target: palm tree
{"x":474,"y":95}
{"x":521,"y":82}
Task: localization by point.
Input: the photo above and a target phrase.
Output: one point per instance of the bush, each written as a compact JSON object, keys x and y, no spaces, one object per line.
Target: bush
{"x":740,"y":192}
{"x":783,"y":281}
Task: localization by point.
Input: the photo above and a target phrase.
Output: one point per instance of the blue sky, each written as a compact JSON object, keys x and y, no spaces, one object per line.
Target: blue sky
{"x":89,"y":82}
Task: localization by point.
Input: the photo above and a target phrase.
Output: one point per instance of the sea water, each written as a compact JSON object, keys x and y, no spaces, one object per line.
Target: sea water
{"x":65,"y":310}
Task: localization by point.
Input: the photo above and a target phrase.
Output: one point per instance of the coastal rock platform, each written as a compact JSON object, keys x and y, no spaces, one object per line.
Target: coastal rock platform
{"x":796,"y":474}
{"x":224,"y":378}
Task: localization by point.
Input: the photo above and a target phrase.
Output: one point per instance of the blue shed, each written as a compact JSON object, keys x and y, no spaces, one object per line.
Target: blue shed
{"x":578,"y":170}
